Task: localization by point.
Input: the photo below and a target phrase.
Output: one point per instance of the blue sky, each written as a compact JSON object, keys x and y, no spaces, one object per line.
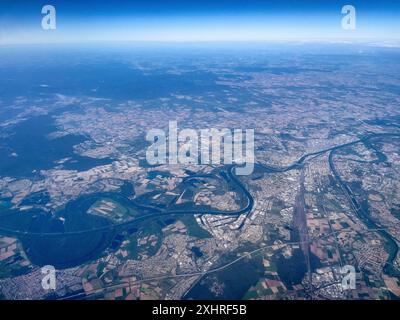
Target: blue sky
{"x":202,"y":20}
